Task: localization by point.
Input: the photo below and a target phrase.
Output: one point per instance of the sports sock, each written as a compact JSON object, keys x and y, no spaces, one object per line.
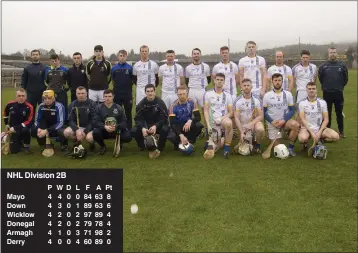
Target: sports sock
{"x":227,"y":147}
{"x":291,"y":144}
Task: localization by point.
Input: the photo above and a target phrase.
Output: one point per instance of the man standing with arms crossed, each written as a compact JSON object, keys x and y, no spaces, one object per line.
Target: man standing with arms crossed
{"x":333,"y":76}
{"x":171,"y":75}
{"x":122,"y":76}
{"x":284,"y":70}
{"x":253,"y":67}
{"x":99,"y":74}
{"x":303,"y":73}
{"x":218,"y":111}
{"x":32,"y":80}
{"x":77,"y":75}
{"x":230,"y":70}
{"x":145,"y":72}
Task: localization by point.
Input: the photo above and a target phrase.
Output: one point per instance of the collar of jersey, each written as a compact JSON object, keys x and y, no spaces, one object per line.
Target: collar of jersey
{"x":277,"y":92}
{"x":217,"y":92}
{"x":198,"y":64}
{"x":314,"y":101}
{"x":304,"y":66}
{"x":52,"y":67}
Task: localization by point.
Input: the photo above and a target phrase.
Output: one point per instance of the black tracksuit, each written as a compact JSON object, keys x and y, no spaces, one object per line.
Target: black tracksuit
{"x":86,"y":114}
{"x":333,"y":76}
{"x":77,"y":77}
{"x":52,"y":118}
{"x":32,"y":80}
{"x":20,"y":117}
{"x":99,"y":74}
{"x":122,"y":76}
{"x":57,"y":80}
{"x":101,"y":114}
{"x":149,"y":113}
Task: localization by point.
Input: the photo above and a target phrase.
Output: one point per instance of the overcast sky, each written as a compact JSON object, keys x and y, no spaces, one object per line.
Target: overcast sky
{"x":79,"y":26}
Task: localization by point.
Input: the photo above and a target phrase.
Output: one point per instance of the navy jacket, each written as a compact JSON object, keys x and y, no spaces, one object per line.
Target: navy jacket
{"x":77,"y":77}
{"x":122,"y":76}
{"x":32,"y":79}
{"x":333,"y":76}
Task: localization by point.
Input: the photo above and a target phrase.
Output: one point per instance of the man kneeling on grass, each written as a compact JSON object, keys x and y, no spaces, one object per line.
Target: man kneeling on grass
{"x":151,"y":118}
{"x":81,"y":115}
{"x":110,"y":119}
{"x":49,"y":120}
{"x":184,"y":119}
{"x":314,"y":119}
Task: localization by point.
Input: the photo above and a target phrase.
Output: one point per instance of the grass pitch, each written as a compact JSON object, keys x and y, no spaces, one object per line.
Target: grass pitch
{"x":243,"y":204}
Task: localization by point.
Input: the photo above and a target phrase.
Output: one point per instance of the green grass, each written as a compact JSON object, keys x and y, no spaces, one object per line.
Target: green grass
{"x":243,"y":204}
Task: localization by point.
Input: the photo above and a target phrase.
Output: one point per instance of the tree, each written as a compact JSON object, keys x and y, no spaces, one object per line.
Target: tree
{"x":113,"y":57}
{"x":52,"y":51}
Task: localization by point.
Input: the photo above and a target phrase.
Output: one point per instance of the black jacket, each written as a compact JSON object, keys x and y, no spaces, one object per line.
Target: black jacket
{"x":103,"y":112}
{"x":20,"y":115}
{"x":149,"y":113}
{"x":333,"y":76}
{"x":32,"y":79}
{"x":99,"y":74}
{"x":86,"y":114}
{"x":77,"y":77}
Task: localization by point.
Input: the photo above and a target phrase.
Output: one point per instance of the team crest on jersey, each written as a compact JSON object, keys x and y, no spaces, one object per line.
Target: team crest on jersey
{"x":40,"y":73}
{"x":115,"y":111}
{"x":312,"y":107}
{"x":127,"y":72}
{"x":24,"y":113}
{"x":53,"y":113}
{"x":61,"y":73}
{"x":278,"y":99}
{"x":102,"y":68}
{"x":82,"y":71}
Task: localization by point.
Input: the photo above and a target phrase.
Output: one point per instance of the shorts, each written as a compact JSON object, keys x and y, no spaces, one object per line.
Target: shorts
{"x":96,"y":95}
{"x":273,"y":131}
{"x":140,"y":94}
{"x":218,"y":132}
{"x":314,"y":130}
{"x":197,"y":96}
{"x":300,"y":95}
{"x":169,"y":98}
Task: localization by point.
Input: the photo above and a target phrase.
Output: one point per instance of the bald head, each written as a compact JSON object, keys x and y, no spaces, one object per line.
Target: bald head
{"x":279,"y":58}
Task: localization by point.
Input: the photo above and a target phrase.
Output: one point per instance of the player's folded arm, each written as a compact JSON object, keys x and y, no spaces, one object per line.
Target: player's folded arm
{"x":289,"y":114}
{"x":267,"y":117}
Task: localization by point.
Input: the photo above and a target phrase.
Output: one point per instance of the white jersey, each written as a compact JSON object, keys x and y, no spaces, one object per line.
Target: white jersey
{"x":218,"y":104}
{"x":252,"y":70}
{"x":171,"y":77}
{"x":277,"y":103}
{"x":313,"y":112}
{"x":229,"y":70}
{"x":197,"y":75}
{"x":303,"y":75}
{"x":248,"y":108}
{"x":145,"y":72}
{"x":284,"y":70}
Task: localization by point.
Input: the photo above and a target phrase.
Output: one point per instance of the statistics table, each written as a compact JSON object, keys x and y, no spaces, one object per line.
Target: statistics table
{"x":62,"y":210}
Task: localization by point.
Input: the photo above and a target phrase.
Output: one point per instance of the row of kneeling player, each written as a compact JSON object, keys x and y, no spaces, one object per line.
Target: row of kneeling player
{"x":180,"y":123}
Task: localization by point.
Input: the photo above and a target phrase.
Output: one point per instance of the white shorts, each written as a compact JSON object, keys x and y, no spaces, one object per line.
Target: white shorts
{"x":96,"y":95}
{"x":139,"y":95}
{"x":197,"y":96}
{"x":300,"y":95}
{"x":169,"y":98}
{"x":273,"y":131}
